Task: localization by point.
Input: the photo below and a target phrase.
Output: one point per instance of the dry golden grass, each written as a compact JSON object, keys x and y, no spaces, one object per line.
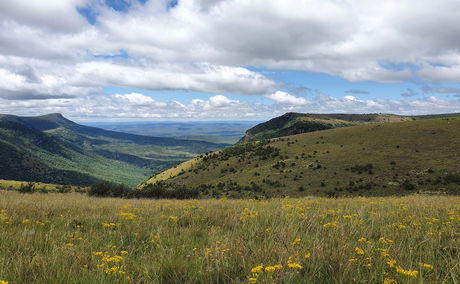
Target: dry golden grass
{"x":172,"y":172}
{"x":72,"y":238}
{"x":13,"y":184}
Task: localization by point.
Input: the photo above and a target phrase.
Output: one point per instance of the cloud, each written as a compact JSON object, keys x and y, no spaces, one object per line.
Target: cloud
{"x":409,"y":93}
{"x":135,"y":106}
{"x":356,"y":92}
{"x":51,"y":57}
{"x":344,"y":38}
{"x":286,"y":99}
{"x":28,"y":79}
{"x":50,"y":15}
{"x":441,"y":90}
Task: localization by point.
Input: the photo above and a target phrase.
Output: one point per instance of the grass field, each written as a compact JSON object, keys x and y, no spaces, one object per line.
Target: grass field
{"x":72,"y":238}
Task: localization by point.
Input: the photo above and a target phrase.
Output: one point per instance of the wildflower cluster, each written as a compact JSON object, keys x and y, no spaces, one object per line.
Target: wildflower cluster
{"x":109,"y":225}
{"x":292,"y":264}
{"x":361,"y":256}
{"x":155,"y":240}
{"x":259,"y":271}
{"x":217,"y":252}
{"x":330,"y":225}
{"x":111,"y":262}
{"x":127,"y":215}
{"x":127,"y":212}
{"x":4,"y":217}
{"x":248,"y":214}
{"x":411,"y":273}
{"x":74,"y":238}
{"x":295,"y":209}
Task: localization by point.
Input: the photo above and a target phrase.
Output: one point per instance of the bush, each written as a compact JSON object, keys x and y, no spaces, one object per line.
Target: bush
{"x":27,"y":188}
{"x":108,"y":189}
{"x":63,"y":189}
{"x":407,"y":185}
{"x":452,"y":178}
{"x":166,"y":190}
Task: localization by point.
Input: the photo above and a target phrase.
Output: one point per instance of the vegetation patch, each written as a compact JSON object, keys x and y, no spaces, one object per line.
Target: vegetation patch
{"x":68,"y":238}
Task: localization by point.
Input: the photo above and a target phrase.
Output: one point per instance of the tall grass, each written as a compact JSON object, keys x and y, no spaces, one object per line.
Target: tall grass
{"x":72,"y":238}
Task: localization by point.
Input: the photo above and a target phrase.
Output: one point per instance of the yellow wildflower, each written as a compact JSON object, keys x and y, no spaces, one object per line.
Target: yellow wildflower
{"x":425,"y":265}
{"x":385,"y":241}
{"x":296,"y":241}
{"x":115,"y":258}
{"x":70,"y":244}
{"x":252,"y":280}
{"x":127,"y":216}
{"x":124,"y":252}
{"x":362,"y":240}
{"x":389,"y":281}
{"x":98,"y":253}
{"x":3,"y":282}
{"x":156,"y":240}
{"x":109,"y":225}
{"x":295,"y":265}
{"x":257,"y":269}
{"x":411,"y":273}
{"x":359,"y":251}
{"x":307,"y":255}
{"x":248,"y":214}
{"x":330,"y":224}
{"x":391,"y":263}
{"x":273,"y":268}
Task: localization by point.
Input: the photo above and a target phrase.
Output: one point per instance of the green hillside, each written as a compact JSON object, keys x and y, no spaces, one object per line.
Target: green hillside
{"x":368,"y":159}
{"x":53,"y":149}
{"x":296,"y":123}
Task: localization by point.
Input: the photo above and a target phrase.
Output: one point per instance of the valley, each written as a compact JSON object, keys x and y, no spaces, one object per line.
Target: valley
{"x":53,"y":149}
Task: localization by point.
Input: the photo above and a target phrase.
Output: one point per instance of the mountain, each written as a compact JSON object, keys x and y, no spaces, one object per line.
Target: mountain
{"x":296,"y":123}
{"x":53,"y":149}
{"x":368,"y":159}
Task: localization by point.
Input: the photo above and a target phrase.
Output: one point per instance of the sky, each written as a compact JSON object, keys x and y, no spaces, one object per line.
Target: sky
{"x":151,"y":60}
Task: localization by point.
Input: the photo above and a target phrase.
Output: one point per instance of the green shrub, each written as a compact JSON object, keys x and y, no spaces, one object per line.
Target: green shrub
{"x":27,"y":188}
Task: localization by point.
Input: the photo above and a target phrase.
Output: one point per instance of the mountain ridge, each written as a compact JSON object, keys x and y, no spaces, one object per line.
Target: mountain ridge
{"x":53,"y":149}
{"x":292,"y":123}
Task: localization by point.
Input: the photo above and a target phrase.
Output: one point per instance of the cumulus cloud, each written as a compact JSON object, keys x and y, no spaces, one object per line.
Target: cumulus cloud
{"x":28,"y":79}
{"x":49,"y":51}
{"x":134,"y":106}
{"x":286,"y":99}
{"x":344,"y":38}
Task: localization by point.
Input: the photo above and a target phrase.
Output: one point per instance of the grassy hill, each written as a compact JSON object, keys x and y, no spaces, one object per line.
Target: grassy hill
{"x":53,"y":149}
{"x":368,"y":159}
{"x":296,"y":123}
